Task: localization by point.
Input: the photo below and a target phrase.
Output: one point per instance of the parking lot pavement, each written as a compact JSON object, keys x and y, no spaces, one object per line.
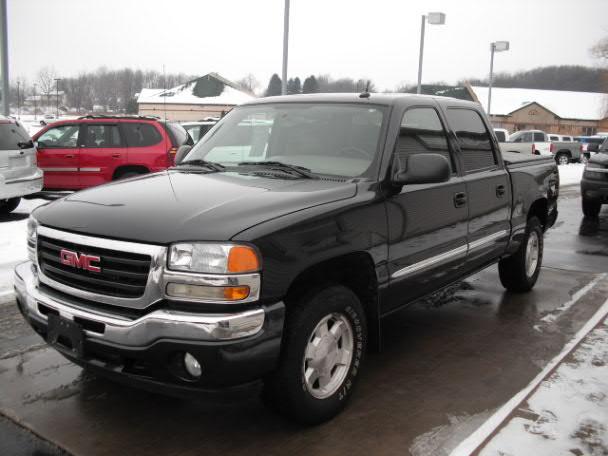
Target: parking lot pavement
{"x":448,"y":364}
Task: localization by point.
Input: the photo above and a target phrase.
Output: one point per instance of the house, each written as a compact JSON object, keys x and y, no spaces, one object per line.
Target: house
{"x":208,"y":96}
{"x":554,"y":111}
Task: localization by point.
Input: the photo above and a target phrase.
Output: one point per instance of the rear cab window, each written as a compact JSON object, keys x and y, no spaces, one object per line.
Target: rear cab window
{"x":474,"y":139}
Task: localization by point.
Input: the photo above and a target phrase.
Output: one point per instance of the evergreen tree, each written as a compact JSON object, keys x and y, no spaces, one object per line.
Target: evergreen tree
{"x":294,"y":86}
{"x":310,"y":85}
{"x":274,"y":86}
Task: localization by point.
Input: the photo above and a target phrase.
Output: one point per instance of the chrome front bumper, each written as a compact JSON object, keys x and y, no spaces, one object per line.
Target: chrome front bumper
{"x":158,"y":324}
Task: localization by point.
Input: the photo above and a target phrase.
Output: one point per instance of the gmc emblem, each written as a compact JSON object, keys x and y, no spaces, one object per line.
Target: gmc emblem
{"x":81,"y":261}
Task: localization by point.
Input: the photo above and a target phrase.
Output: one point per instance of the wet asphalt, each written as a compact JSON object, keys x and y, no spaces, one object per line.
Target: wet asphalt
{"x":447,"y":364}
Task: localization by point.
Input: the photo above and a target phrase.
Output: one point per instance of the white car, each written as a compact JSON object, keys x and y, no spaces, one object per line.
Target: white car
{"x":502,"y":134}
{"x":19,"y":175}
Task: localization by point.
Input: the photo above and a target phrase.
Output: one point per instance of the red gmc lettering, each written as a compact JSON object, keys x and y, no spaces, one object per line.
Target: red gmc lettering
{"x":81,"y":261}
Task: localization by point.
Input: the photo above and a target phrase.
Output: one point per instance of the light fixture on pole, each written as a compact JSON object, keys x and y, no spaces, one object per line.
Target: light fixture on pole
{"x":57,"y":97}
{"x":433,"y":19}
{"x":496,"y":46}
{"x":285,"y":47}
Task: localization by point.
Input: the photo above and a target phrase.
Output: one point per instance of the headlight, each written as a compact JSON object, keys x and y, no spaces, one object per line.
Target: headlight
{"x":209,"y":258}
{"x":32,"y":237}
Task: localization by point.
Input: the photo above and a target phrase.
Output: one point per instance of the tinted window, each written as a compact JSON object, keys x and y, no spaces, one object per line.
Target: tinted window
{"x":500,"y":135}
{"x":179,"y":136}
{"x":141,"y":134}
{"x":539,"y":137}
{"x":64,"y":136}
{"x":96,"y":135}
{"x":422,"y":132}
{"x":473,"y":137}
{"x":11,"y":135}
{"x":194,"y":131}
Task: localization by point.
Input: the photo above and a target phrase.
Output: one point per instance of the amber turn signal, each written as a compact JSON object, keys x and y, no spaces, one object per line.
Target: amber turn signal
{"x":243,"y":259}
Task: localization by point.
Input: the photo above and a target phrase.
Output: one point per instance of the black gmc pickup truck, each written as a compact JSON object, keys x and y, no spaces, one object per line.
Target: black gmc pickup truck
{"x":272,"y":252}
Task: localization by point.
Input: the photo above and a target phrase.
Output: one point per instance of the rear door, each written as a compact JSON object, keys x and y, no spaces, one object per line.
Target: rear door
{"x":487,"y":186}
{"x":147,"y":147}
{"x":427,"y":222}
{"x":58,"y":156}
{"x":102,"y":150}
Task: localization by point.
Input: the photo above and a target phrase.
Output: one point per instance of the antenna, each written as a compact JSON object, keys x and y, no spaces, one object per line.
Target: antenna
{"x":165,"y":92}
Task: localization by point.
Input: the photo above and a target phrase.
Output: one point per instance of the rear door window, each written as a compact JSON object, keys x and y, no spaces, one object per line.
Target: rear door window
{"x":141,"y":134}
{"x":101,"y":136}
{"x":473,"y":138}
{"x":11,"y":135}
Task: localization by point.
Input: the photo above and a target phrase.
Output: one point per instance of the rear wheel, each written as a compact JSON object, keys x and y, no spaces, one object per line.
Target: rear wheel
{"x":520,"y":271}
{"x":591,"y":208}
{"x":9,"y":205}
{"x":562,"y":159}
{"x":323,"y":347}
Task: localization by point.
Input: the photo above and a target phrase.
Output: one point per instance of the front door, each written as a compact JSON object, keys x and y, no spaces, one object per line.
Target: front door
{"x":58,"y":157}
{"x":488,"y":187}
{"x":427,"y":222}
{"x":102,"y":151}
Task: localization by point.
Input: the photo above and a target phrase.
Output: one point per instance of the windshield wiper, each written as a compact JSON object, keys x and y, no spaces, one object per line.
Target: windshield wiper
{"x":203,"y":163}
{"x":299,"y":170}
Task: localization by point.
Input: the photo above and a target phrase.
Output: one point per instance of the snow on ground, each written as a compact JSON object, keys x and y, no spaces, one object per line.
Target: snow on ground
{"x":571,"y":174}
{"x":568,"y":413}
{"x":13,"y":246}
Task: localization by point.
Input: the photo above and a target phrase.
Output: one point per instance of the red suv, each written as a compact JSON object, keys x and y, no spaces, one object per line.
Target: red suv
{"x":93,"y":150}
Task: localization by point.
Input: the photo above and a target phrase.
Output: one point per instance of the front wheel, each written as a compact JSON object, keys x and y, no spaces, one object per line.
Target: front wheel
{"x":323,"y":348}
{"x":9,"y":205}
{"x":520,"y":271}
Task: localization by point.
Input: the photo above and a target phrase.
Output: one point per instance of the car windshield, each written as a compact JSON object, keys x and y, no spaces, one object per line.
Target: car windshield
{"x":332,"y":139}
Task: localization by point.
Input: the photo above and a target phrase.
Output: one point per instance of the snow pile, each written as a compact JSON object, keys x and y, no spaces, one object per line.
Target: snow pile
{"x":568,"y":413}
{"x":13,"y":245}
{"x":571,"y":174}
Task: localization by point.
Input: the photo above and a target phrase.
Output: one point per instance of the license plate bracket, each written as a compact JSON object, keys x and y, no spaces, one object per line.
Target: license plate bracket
{"x":65,"y":335}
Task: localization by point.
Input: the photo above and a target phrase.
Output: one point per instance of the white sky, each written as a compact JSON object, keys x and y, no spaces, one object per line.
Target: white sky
{"x":356,"y":38}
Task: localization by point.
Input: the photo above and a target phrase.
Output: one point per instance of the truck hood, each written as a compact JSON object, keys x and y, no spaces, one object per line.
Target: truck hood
{"x":600,"y":159}
{"x":178,"y":205}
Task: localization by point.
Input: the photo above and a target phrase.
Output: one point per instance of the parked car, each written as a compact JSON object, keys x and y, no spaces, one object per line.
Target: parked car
{"x":594,"y":184}
{"x":197,"y":130}
{"x":559,"y":138}
{"x":19,"y":175}
{"x":282,"y":268}
{"x":93,"y":150}
{"x":587,"y":140}
{"x":502,"y":134}
{"x":537,"y":142}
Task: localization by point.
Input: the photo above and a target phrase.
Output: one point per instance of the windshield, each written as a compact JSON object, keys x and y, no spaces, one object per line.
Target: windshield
{"x":334,"y":139}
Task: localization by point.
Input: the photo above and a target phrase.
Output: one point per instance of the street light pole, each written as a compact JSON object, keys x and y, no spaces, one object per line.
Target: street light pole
{"x":57,"y":97}
{"x":35,"y":104}
{"x":285,"y":47}
{"x":433,"y":19}
{"x":4,"y":52}
{"x":18,"y":101}
{"x":496,"y":46}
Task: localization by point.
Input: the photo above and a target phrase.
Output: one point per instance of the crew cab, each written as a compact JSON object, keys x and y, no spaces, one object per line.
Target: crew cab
{"x":93,"y":150}
{"x":538,"y":142}
{"x":19,"y":175}
{"x":278,"y":268}
{"x":594,"y":184}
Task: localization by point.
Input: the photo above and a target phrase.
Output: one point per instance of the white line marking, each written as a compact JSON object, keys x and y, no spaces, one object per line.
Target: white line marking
{"x":6,"y":293}
{"x":549,"y":318}
{"x":471,"y":443}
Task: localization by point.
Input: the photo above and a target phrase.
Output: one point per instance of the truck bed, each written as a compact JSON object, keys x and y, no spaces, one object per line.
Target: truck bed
{"x":517,"y":160}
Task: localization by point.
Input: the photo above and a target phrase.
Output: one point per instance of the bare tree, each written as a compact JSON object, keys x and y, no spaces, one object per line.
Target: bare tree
{"x":600,"y":49}
{"x":249,"y":83}
{"x":46,"y":81}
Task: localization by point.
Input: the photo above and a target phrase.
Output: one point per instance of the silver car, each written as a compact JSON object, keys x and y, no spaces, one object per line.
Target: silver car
{"x":19,"y":175}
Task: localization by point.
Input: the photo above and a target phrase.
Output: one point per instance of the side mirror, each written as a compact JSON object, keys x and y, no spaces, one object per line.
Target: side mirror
{"x":593,"y":147}
{"x":422,"y":169}
{"x":181,"y":153}
{"x":36,"y":144}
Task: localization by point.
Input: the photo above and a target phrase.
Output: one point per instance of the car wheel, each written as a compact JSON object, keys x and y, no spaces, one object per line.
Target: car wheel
{"x":520,"y":271}
{"x":562,"y":159}
{"x":9,"y":205}
{"x":322,"y":353}
{"x":591,"y":208}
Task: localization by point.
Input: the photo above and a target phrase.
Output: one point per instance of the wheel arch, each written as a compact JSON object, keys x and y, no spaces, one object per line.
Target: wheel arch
{"x":123,"y":169}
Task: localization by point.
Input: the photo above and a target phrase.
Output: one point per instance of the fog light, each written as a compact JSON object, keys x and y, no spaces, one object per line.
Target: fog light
{"x":192,"y":365}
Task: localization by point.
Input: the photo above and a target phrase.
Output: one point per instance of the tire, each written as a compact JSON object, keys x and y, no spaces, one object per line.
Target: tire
{"x":591,"y":208}
{"x":287,"y":390}
{"x":9,"y":205}
{"x":562,"y":159}
{"x":519,"y":272}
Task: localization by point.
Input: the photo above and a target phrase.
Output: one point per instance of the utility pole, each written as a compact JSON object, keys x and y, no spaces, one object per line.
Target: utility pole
{"x":4,"y":52}
{"x":57,"y":97}
{"x":285,"y":47}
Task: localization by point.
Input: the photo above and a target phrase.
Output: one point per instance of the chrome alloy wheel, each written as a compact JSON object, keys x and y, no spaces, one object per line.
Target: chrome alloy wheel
{"x":328,"y":355}
{"x":532,"y":253}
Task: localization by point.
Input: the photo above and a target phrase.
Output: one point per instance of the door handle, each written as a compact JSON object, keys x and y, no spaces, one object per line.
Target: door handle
{"x":500,"y":191}
{"x":460,"y":199}
{"x":116,"y":155}
{"x":69,"y":156}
